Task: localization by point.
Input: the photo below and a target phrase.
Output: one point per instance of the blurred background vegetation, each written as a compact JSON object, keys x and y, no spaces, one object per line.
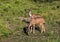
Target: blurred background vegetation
{"x":11,"y":29}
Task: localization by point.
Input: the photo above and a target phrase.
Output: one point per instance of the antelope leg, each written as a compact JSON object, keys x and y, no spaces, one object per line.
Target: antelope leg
{"x":33,"y":29}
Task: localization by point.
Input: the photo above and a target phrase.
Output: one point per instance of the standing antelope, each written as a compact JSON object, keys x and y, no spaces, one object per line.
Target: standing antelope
{"x":34,"y":20}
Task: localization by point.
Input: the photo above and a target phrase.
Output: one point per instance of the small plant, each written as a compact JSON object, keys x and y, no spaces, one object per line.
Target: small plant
{"x":4,"y":31}
{"x":53,"y":8}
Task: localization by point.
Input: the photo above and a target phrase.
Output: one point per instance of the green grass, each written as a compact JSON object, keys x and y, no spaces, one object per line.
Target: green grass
{"x":11,"y":29}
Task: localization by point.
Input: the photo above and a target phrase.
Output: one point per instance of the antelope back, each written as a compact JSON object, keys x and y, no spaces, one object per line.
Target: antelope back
{"x":37,"y":20}
{"x":37,"y":16}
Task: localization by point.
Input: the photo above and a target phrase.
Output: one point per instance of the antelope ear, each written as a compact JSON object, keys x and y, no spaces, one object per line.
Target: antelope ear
{"x":27,"y":9}
{"x":24,"y":9}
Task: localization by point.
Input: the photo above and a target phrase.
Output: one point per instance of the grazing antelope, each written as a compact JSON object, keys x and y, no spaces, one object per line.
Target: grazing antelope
{"x":34,"y":20}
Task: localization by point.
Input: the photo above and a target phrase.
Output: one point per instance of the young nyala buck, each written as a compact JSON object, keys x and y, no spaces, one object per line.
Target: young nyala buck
{"x":35,"y":19}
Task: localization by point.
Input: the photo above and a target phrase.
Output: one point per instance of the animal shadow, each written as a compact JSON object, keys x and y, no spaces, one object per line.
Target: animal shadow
{"x":25,"y":30}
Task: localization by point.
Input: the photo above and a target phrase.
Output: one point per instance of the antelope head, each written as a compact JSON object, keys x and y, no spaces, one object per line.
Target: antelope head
{"x":29,"y":12}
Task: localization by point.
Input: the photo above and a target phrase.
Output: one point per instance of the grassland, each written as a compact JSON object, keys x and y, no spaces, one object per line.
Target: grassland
{"x":11,"y":29}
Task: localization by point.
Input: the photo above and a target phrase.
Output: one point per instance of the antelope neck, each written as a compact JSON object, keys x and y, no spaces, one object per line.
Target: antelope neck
{"x":30,"y":14}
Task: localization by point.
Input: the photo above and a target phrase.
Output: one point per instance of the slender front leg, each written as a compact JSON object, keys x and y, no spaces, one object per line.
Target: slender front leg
{"x":33,"y":29}
{"x":29,"y":28}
